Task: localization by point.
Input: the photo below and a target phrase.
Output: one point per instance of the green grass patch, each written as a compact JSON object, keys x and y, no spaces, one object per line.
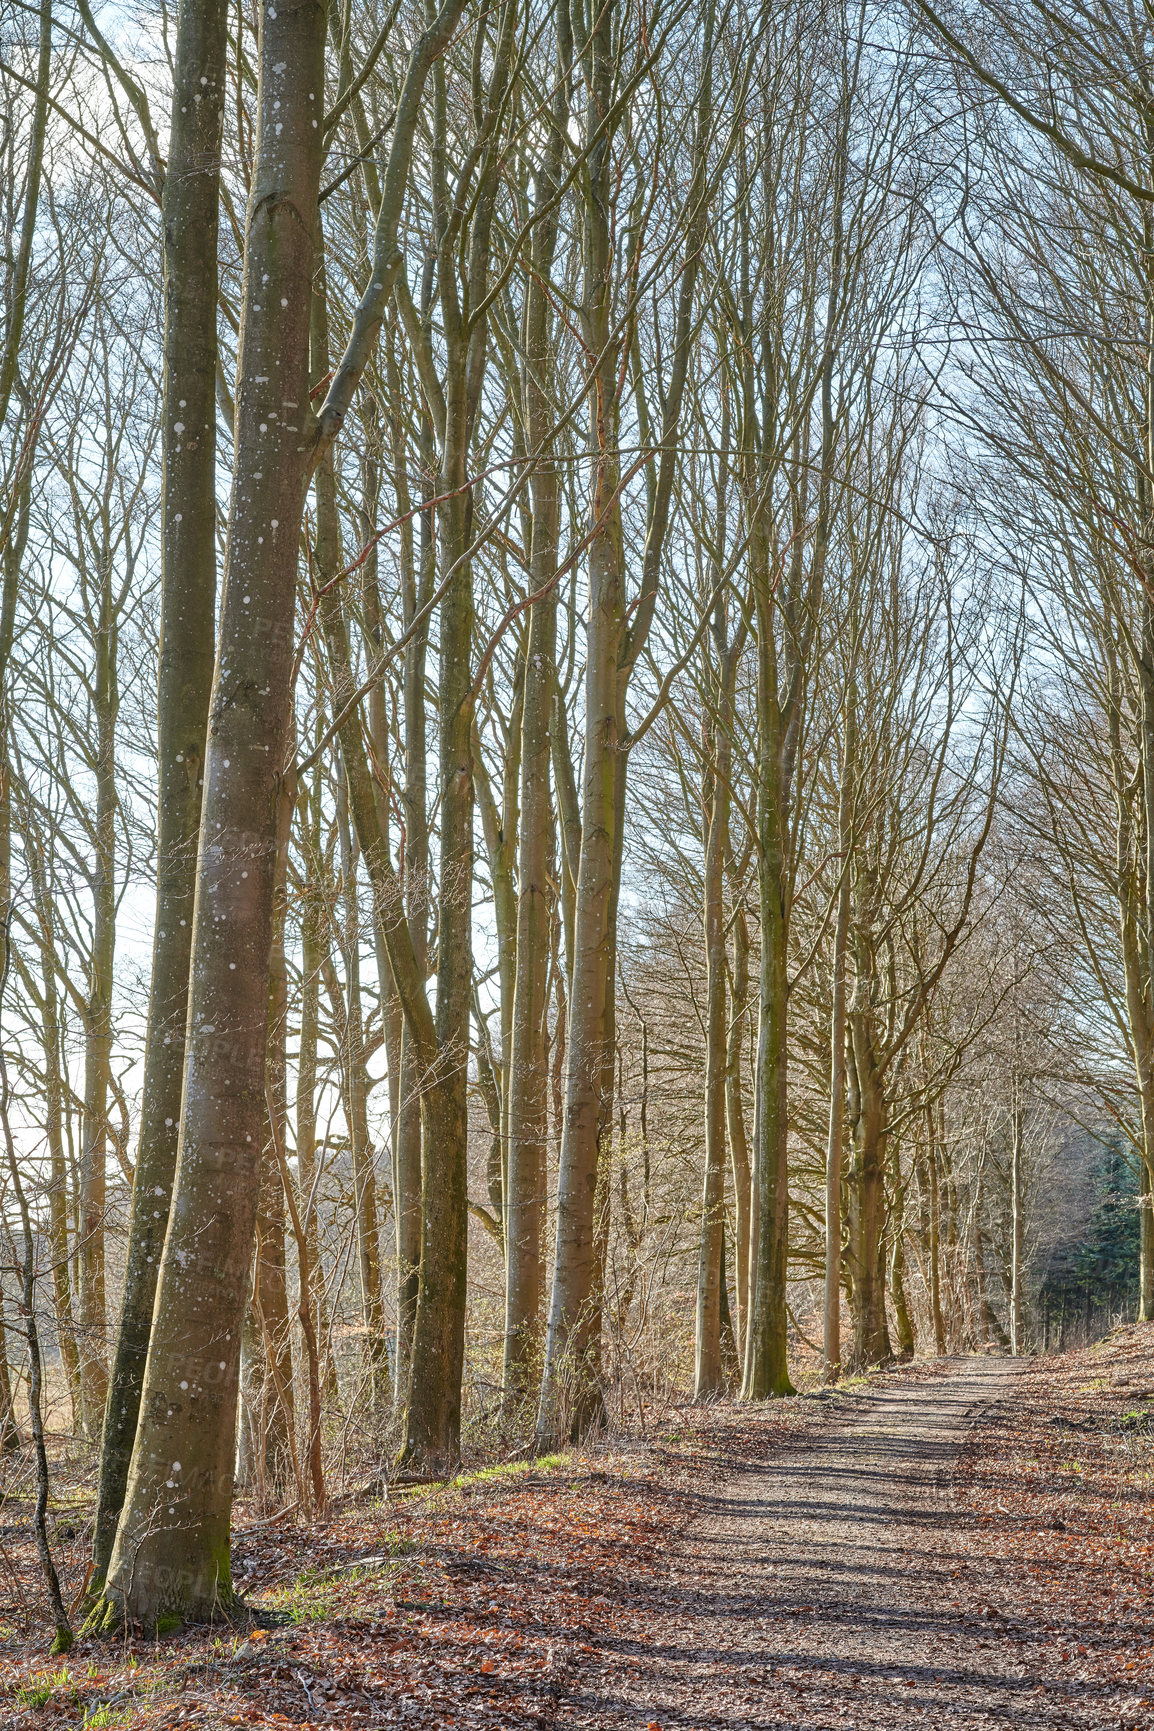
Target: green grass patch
{"x":38,"y":1691}
{"x":312,"y":1597}
{"x":104,"y":1718}
{"x":513,"y":1469}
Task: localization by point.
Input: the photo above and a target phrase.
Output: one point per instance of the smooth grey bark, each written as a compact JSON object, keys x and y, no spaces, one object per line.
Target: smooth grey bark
{"x":569,"y":1394}
{"x":831,"y":1307}
{"x":736,"y":1126}
{"x":1132,"y":918}
{"x":171,"y":1555}
{"x":313,"y":922}
{"x":58,"y":1185}
{"x":376,"y":1358}
{"x":989,"y":1327}
{"x":54,"y":1096}
{"x":271,"y":1356}
{"x":791,"y":610}
{"x":189,"y":214}
{"x":500,"y":824}
{"x":418,"y":571}
{"x":766,"y":1368}
{"x":1017,"y":1223}
{"x":709,"y":1370}
{"x":933,"y":1186}
{"x":528,"y":1123}
{"x":1137,"y":919}
{"x":14,"y":544}
{"x":903,"y":1321}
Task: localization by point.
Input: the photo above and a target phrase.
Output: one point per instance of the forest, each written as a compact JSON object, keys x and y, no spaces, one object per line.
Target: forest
{"x":576,"y":732}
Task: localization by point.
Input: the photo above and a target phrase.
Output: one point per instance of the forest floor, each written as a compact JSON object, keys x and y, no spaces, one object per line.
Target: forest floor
{"x":964,"y":1542}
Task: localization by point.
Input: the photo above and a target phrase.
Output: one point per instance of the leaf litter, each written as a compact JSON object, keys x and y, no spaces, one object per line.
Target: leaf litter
{"x":535,"y":1597}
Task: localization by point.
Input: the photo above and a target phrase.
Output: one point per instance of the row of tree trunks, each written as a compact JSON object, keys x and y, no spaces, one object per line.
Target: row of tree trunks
{"x":712,"y":1298}
{"x":526,"y":1177}
{"x":190,"y":215}
{"x":171,"y":1553}
{"x":744,"y":1179}
{"x":356,"y":1105}
{"x":570,"y":1393}
{"x":766,"y":1367}
{"x":433,"y":1429}
{"x":868,"y":1114}
{"x":617,"y":633}
{"x":831,"y":1304}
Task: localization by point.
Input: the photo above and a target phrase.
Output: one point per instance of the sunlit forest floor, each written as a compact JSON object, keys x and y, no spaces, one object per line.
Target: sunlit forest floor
{"x":522,"y":1595}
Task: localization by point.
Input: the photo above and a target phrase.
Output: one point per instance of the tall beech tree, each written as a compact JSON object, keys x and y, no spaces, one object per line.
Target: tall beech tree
{"x":617,"y":632}
{"x":526,"y":1175}
{"x":438,"y":1039}
{"x":171,"y":1552}
{"x":181,"y":1567}
{"x":190,"y":205}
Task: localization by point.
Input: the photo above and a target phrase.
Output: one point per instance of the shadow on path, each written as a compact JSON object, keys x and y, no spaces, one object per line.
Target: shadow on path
{"x":821,"y":1590}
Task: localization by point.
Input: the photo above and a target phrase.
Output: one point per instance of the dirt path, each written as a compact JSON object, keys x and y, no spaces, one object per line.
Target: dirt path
{"x":826,"y":1589}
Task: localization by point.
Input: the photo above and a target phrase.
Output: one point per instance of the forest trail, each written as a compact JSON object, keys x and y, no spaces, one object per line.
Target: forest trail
{"x":824,"y":1588}
{"x":950,"y":1544}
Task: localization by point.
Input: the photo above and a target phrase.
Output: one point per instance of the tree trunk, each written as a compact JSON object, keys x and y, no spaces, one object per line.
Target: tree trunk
{"x":1145,"y":1245}
{"x":989,"y":1328}
{"x":907,"y":1344}
{"x":936,"y":1253}
{"x":14,"y":544}
{"x":766,"y":1367}
{"x":433,"y":1420}
{"x":98,"y":1031}
{"x":314,"y":951}
{"x":376,"y":1357}
{"x":58,"y":1239}
{"x":270,"y":1338}
{"x":499,"y":826}
{"x":17,"y":475}
{"x":416,"y":590}
{"x":1135,"y":914}
{"x":735,"y":1123}
{"x":834,"y":1148}
{"x":616,"y":636}
{"x":171,"y":1556}
{"x":569,"y":1392}
{"x":709,"y":1376}
{"x":187,"y":642}
{"x":868,"y":1305}
{"x":1017,"y":1230}
{"x":528,"y":1080}
{"x":9,"y":1430}
{"x":527,"y":1072}
{"x":330,"y":562}
{"x":439,"y":1047}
